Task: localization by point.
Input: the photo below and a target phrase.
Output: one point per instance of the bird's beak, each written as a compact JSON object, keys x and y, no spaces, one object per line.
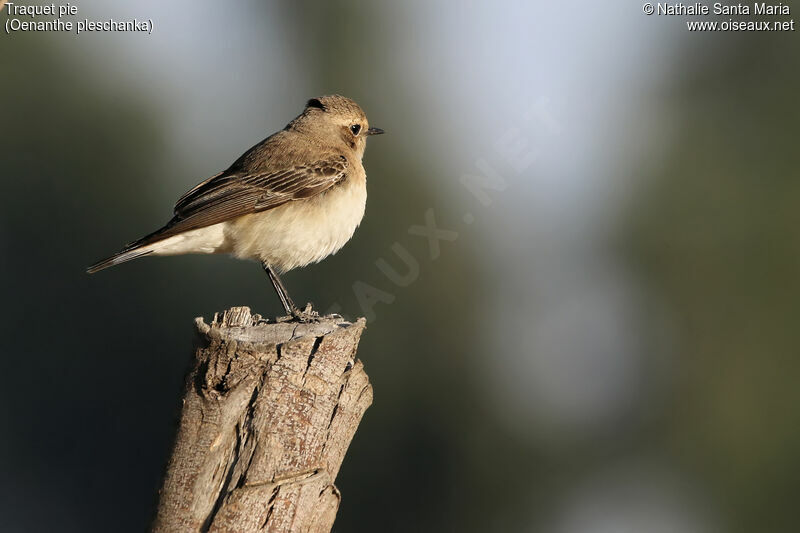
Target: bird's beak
{"x":374,"y":131}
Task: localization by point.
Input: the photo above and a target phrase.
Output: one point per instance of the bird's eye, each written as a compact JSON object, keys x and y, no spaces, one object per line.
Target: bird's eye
{"x":355,"y":128}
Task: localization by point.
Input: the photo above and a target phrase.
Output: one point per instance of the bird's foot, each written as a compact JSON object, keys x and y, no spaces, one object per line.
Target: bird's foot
{"x":307,"y":314}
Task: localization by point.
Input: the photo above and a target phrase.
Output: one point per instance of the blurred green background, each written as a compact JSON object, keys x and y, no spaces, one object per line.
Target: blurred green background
{"x":608,"y":342}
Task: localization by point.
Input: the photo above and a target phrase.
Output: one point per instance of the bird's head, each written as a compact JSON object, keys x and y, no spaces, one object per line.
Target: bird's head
{"x":335,"y":119}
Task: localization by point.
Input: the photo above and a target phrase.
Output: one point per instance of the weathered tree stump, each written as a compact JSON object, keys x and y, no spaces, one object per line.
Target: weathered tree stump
{"x":269,"y":410}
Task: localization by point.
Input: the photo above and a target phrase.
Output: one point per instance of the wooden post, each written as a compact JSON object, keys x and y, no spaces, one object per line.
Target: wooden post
{"x":269,"y":410}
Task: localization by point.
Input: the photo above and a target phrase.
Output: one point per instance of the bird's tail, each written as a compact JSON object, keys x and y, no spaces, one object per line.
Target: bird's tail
{"x":133,"y":250}
{"x":121,"y":257}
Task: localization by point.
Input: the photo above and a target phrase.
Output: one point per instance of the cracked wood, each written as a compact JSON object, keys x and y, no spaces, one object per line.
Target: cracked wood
{"x":269,"y":410}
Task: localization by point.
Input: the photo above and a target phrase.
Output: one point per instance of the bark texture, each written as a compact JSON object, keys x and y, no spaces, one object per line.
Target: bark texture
{"x":269,"y":410}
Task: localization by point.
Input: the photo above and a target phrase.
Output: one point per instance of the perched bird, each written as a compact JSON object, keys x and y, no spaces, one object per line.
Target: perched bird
{"x":291,"y":200}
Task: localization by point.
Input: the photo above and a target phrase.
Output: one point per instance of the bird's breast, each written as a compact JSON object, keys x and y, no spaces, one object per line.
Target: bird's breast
{"x":300,"y":232}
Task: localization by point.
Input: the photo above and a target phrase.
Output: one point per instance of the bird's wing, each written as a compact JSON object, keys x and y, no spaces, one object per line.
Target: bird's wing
{"x":232,"y":194}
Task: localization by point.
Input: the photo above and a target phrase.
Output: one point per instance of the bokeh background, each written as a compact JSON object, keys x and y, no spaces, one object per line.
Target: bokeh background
{"x":606,"y":341}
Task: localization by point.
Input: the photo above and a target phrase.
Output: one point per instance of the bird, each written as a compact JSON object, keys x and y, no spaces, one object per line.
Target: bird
{"x":291,"y":200}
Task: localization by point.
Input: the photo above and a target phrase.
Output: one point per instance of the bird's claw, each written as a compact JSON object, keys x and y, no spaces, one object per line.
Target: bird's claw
{"x":306,"y":315}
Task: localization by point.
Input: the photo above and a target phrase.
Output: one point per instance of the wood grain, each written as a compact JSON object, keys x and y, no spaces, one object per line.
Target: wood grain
{"x":269,"y":410}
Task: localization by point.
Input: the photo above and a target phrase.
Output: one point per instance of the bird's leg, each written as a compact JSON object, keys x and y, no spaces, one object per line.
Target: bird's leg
{"x":306,"y":315}
{"x":283,"y":294}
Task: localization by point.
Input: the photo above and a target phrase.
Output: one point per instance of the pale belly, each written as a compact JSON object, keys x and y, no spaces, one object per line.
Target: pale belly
{"x":293,"y":235}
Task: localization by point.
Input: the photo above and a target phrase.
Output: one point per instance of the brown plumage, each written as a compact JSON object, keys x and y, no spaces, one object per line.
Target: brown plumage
{"x":291,"y":200}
